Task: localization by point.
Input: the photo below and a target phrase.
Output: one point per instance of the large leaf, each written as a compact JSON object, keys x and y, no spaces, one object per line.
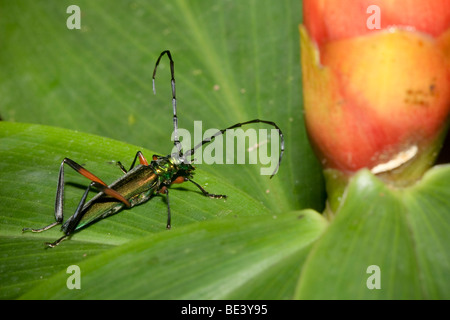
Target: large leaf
{"x":404,"y":233}
{"x":231,"y":258}
{"x":255,"y":248}
{"x":234,"y":61}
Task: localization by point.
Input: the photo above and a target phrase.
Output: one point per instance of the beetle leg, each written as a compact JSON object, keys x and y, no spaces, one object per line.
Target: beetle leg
{"x":51,"y":225}
{"x":59,"y":202}
{"x":121,"y":167}
{"x":206,"y":193}
{"x":165,"y":190}
{"x":74,"y":220}
{"x":98,"y":183}
{"x":142,"y":161}
{"x":72,"y":223}
{"x":55,"y":243}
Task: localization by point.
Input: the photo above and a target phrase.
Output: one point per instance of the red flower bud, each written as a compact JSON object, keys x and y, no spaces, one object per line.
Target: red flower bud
{"x":376,"y":82}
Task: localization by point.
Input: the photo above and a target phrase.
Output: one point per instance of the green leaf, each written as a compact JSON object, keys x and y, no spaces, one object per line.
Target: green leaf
{"x":30,"y":157}
{"x":222,"y":259}
{"x":404,"y":232}
{"x":234,"y":61}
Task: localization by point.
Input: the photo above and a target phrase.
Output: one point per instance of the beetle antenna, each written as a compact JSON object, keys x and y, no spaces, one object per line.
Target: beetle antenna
{"x":238,"y":125}
{"x":174,"y":98}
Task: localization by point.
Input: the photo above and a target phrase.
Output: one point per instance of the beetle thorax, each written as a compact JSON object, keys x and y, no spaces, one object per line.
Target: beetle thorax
{"x":164,"y":167}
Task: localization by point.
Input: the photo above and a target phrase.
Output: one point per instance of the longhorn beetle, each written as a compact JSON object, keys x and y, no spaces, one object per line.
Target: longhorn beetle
{"x":139,"y":183}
